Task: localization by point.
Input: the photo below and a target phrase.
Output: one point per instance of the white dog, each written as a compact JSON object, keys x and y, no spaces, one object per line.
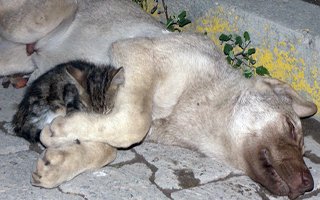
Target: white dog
{"x":178,"y":90}
{"x":56,"y":31}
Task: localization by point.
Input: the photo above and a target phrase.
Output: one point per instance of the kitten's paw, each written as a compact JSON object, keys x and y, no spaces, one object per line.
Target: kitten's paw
{"x":53,"y":168}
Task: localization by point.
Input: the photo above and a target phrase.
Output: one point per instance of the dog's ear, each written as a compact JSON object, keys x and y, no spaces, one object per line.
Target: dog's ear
{"x":301,"y":106}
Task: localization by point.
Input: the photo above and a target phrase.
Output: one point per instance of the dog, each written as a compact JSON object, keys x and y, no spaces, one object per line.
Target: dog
{"x":178,"y":90}
{"x":48,"y":29}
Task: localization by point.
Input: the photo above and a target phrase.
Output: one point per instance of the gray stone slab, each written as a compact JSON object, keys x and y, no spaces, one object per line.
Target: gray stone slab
{"x":312,"y":153}
{"x":9,"y":100}
{"x":123,"y":156}
{"x":236,"y":188}
{"x":127,"y":182}
{"x":179,"y":168}
{"x":10,"y":144}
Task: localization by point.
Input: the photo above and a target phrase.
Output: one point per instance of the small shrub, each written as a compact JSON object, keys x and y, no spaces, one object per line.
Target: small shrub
{"x":239,"y":54}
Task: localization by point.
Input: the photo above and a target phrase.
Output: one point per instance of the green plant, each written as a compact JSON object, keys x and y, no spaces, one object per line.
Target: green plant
{"x":239,"y":54}
{"x":173,"y":23}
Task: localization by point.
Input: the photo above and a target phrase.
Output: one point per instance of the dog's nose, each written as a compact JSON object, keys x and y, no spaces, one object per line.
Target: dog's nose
{"x":301,"y":184}
{"x":307,"y":181}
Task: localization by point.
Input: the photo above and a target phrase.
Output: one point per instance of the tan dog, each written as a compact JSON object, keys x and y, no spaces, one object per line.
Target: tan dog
{"x":179,"y":90}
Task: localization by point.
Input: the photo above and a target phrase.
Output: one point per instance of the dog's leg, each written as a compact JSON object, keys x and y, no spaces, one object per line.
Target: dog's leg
{"x":130,"y":119}
{"x":14,"y":59}
{"x":128,"y":123}
{"x":57,"y":165}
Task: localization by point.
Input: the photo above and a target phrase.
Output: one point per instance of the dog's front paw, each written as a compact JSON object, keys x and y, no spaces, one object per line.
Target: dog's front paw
{"x":62,"y":130}
{"x":53,"y":168}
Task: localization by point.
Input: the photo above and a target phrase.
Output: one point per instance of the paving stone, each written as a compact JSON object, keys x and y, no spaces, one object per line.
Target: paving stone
{"x":10,"y":144}
{"x":236,"y":188}
{"x":312,"y":149}
{"x":270,"y":197}
{"x":10,"y":98}
{"x":180,"y":168}
{"x":127,"y":182}
{"x":123,"y":156}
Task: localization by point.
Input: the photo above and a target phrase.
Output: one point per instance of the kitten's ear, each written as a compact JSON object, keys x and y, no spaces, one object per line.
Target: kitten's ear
{"x":118,"y":77}
{"x":79,"y":75}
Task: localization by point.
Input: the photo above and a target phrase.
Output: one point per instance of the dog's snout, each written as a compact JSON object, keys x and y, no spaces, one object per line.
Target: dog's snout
{"x":303,"y":183}
{"x":307,"y":181}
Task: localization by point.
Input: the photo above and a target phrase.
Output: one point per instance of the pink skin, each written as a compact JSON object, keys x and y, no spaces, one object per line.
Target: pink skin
{"x":30,"y":48}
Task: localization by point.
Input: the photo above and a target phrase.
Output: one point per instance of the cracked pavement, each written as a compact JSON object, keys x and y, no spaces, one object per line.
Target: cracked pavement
{"x":147,"y":171}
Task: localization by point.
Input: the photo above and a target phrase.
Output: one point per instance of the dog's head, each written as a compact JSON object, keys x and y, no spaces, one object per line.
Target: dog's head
{"x":267,"y":119}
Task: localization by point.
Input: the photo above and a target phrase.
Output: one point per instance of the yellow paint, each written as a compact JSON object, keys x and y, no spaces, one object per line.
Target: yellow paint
{"x":286,"y":66}
{"x":215,"y":24}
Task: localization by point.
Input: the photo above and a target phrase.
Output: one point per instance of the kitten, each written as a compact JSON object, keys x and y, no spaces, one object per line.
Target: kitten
{"x":69,"y":87}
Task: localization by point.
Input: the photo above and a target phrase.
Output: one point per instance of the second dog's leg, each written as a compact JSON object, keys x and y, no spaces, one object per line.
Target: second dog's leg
{"x":57,"y":165}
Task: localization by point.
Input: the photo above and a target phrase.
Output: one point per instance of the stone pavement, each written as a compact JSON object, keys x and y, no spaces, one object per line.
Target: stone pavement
{"x":148,"y":171}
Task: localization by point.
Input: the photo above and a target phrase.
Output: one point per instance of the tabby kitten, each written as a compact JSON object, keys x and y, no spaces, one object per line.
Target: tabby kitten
{"x":69,"y":87}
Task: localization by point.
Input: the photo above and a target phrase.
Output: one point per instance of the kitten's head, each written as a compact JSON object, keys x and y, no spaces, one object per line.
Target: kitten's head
{"x":98,"y":86}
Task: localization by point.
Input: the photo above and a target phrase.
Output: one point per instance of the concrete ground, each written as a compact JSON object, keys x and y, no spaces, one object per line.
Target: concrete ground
{"x":148,"y":171}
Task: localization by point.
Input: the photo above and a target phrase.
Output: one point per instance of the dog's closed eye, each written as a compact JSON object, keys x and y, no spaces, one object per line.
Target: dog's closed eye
{"x":265,"y":158}
{"x":292,"y":130}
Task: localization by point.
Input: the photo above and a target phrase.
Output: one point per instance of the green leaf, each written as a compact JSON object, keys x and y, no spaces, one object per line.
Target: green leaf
{"x":171,"y":28}
{"x":224,"y":38}
{"x":183,"y":22}
{"x":170,"y":23}
{"x":239,"y":62}
{"x":251,"y":51}
{"x":252,"y":61}
{"x":227,"y":48}
{"x":248,"y":73}
{"x":235,"y":66}
{"x":245,"y":56}
{"x":182,"y":15}
{"x":262,"y":71}
{"x":246,"y":36}
{"x":231,"y":55}
{"x":238,"y":41}
{"x":229,"y":60}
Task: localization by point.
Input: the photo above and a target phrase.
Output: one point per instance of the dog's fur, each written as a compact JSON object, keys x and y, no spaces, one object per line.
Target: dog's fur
{"x":62,"y":30}
{"x":178,"y":90}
